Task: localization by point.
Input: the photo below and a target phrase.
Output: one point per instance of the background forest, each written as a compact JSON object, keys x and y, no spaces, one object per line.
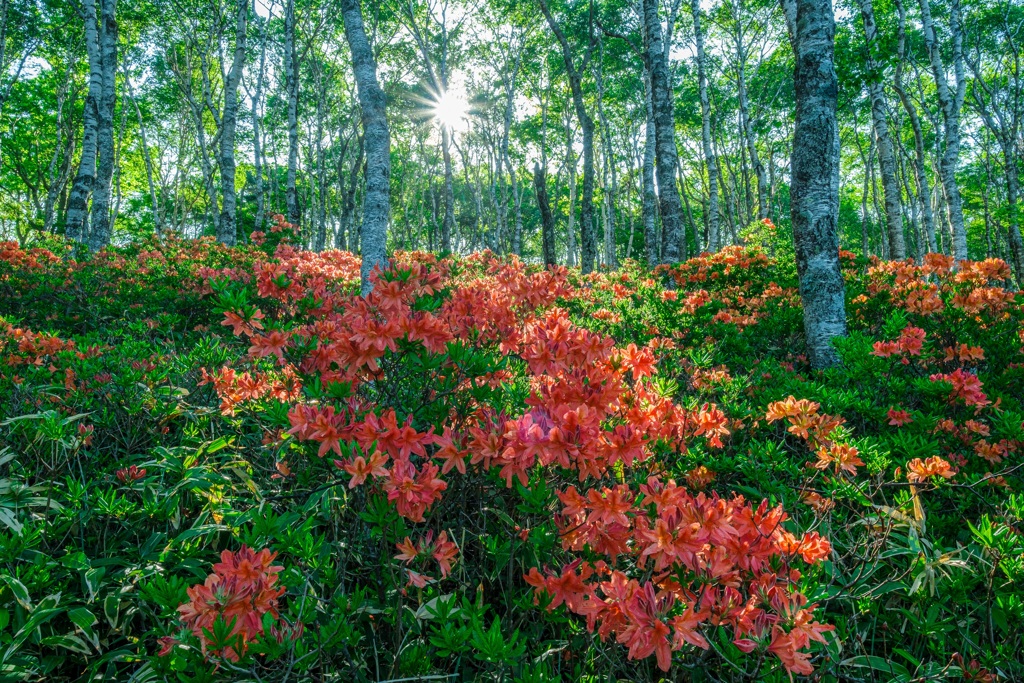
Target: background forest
{"x":479,"y":102}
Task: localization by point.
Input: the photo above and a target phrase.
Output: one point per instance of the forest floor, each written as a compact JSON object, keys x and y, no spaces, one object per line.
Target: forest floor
{"x":225,"y":464}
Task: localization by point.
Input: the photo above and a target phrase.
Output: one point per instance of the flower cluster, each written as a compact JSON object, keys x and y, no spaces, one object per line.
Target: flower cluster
{"x":240,"y":591}
{"x":727,"y":550}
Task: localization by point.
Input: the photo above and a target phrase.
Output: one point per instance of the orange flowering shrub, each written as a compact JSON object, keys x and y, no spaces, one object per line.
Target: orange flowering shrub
{"x":241,"y":590}
{"x":478,"y":433}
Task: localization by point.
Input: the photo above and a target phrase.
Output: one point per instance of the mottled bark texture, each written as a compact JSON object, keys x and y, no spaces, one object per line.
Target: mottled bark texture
{"x":291,"y":85}
{"x":547,"y":221}
{"x":815,"y":180}
{"x":920,"y":162}
{"x":226,"y":228}
{"x":950,"y":103}
{"x":85,"y":177}
{"x":650,"y":200}
{"x":664,"y":130}
{"x":100,"y":232}
{"x":886,"y":158}
{"x":714,"y":239}
{"x":588,"y":238}
{"x":376,"y":141}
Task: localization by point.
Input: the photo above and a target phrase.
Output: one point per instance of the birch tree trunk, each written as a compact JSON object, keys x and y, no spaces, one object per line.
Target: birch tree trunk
{"x":257,"y":121}
{"x":540,"y":185}
{"x":920,"y":162}
{"x":1004,"y":123}
{"x":85,"y":177}
{"x":714,"y":239}
{"x":746,"y":123}
{"x":664,"y":130}
{"x":291,"y":79}
{"x":449,"y":192}
{"x":377,"y":142}
{"x":649,"y":209}
{"x":950,"y":103}
{"x":570,"y":163}
{"x":99,"y":235}
{"x":815,"y":180}
{"x":588,"y":238}
{"x":227,"y":232}
{"x":608,"y":184}
{"x":886,"y":158}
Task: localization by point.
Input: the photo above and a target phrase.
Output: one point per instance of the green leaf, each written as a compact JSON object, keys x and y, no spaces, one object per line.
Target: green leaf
{"x":19,"y":590}
{"x":876,"y":664}
{"x":68,"y":642}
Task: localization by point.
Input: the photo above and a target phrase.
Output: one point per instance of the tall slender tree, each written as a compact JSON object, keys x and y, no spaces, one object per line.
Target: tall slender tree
{"x":376,"y":141}
{"x":951,"y":103}
{"x":664,"y":131}
{"x":886,"y":157}
{"x":815,"y":179}
{"x":226,"y":227}
{"x":574,"y":70}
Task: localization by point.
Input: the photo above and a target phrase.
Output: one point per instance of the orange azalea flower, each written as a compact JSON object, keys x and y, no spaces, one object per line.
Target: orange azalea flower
{"x":241,"y":590}
{"x":928,"y":468}
{"x":843,"y":456}
{"x":818,"y":503}
{"x":273,"y":344}
{"x":360,"y":469}
{"x":699,"y":478}
{"x":898,"y":418}
{"x":966,"y":386}
{"x":240,"y":325}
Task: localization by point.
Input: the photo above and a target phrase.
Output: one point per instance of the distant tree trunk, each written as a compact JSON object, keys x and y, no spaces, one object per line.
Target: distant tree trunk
{"x":227,"y":231}
{"x":346,"y":237}
{"x":746,"y":123}
{"x":377,"y":141}
{"x":588,"y":238}
{"x":886,"y":158}
{"x":540,"y":185}
{"x":650,"y":201}
{"x":1004,"y":124}
{"x":664,"y":129}
{"x":321,"y":167}
{"x":570,"y":163}
{"x":920,"y":172}
{"x":815,"y":180}
{"x":449,"y":192}
{"x":85,"y":178}
{"x":100,"y":233}
{"x":63,"y":150}
{"x":157,"y":218}
{"x":291,"y":80}
{"x":714,"y":239}
{"x":950,"y":104}
{"x":865,"y":243}
{"x":608,"y":180}
{"x":517,"y":209}
{"x":257,"y":137}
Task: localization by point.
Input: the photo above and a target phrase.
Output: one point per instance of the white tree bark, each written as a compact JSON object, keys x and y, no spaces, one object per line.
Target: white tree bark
{"x":714,"y":239}
{"x":886,"y":158}
{"x":227,"y":232}
{"x":664,"y":130}
{"x":815,"y":181}
{"x":377,"y":141}
{"x":950,"y":103}
{"x":85,"y":178}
